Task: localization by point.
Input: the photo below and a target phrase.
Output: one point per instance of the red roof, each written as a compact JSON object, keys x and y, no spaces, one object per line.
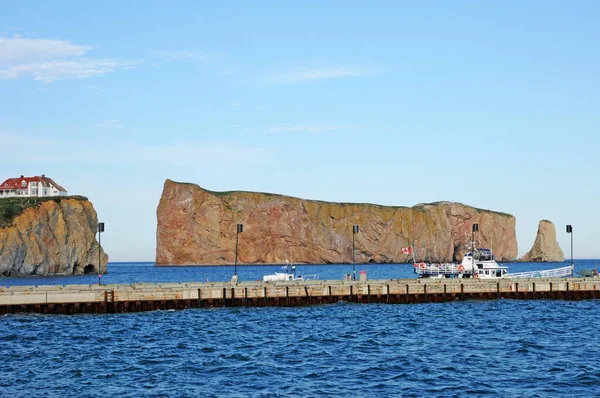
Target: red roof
{"x":16,"y":183}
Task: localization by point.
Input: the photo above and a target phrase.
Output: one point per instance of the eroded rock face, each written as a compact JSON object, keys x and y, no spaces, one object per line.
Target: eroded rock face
{"x":546,"y":247}
{"x":53,"y":238}
{"x":196,"y":226}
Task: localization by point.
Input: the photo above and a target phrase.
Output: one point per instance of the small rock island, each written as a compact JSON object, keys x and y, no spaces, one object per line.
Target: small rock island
{"x":546,"y":247}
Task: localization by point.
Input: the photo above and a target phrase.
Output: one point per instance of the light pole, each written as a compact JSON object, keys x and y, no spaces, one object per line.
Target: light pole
{"x":570,"y":231}
{"x":354,"y":232}
{"x":474,"y":229}
{"x":240,"y":229}
{"x":100,"y":230}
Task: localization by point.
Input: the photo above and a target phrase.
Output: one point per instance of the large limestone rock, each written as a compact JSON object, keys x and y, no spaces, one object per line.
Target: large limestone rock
{"x":197,"y":226}
{"x":545,"y":248}
{"x":55,"y":237}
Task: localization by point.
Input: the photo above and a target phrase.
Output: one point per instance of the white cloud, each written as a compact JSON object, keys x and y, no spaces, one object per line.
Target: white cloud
{"x":19,"y":50}
{"x":47,"y":60}
{"x":331,"y":72}
{"x":304,"y":128}
{"x":48,"y":72}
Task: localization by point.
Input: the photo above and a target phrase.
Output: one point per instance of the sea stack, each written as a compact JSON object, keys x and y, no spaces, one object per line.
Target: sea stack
{"x":198,"y":227}
{"x":50,"y":236}
{"x":545,"y":248}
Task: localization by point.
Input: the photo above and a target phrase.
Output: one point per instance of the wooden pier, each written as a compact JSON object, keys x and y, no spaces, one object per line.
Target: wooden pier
{"x":76,"y":299}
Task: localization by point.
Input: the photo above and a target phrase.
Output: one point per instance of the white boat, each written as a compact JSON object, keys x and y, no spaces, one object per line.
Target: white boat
{"x":481,"y":264}
{"x":289,"y":275}
{"x":286,"y":276}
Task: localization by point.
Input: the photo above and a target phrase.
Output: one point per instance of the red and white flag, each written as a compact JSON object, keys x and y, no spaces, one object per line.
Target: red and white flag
{"x":407,"y":250}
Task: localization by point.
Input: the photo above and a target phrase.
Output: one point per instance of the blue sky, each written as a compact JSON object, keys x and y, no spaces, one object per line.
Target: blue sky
{"x":492,"y":104}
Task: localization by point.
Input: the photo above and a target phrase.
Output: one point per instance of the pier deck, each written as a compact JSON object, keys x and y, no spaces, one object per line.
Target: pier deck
{"x":75,"y":299}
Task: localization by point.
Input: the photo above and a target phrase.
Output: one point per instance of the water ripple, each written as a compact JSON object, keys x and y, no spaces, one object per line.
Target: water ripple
{"x":496,"y":348}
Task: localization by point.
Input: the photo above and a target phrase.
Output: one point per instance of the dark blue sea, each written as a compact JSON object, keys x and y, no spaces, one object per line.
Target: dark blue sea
{"x":464,"y":348}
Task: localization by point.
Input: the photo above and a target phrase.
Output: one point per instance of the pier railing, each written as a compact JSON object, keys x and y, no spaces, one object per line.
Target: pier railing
{"x":550,"y":273}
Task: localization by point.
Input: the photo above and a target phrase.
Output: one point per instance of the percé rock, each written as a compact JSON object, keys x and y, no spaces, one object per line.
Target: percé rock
{"x":198,"y":227}
{"x":546,"y":247}
{"x":53,"y":237}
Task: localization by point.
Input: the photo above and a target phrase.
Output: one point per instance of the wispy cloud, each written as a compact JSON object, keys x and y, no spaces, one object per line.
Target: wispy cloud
{"x":47,"y":60}
{"x":330,"y":72}
{"x":111,"y":124}
{"x":48,"y":72}
{"x":305,"y":128}
{"x":19,"y":50}
{"x":178,"y":55}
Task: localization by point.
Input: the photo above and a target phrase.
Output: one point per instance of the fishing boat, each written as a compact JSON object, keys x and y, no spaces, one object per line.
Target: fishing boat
{"x":481,"y":264}
{"x":290,"y":274}
{"x":287,"y":276}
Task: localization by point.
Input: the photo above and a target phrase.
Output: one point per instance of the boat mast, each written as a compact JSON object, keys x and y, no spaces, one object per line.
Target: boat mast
{"x":413,"y":252}
{"x":291,"y":260}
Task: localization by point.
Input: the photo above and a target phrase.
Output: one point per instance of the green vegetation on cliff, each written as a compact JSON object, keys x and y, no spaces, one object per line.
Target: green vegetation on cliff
{"x":420,"y":207}
{"x":13,"y":207}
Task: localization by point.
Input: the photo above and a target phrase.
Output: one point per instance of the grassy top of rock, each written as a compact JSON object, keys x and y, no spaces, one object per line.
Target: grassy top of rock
{"x":499,"y":213}
{"x":13,"y":207}
{"x":419,"y":207}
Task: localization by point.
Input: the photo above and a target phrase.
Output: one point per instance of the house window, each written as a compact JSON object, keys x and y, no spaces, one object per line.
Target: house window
{"x":34,"y":184}
{"x":34,"y":191}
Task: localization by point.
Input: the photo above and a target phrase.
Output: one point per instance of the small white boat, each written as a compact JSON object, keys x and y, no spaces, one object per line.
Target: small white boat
{"x":283,"y":276}
{"x":481,"y":264}
{"x":289,"y":275}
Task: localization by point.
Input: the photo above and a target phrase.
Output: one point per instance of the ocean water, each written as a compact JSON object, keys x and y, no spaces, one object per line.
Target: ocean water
{"x":463,"y":348}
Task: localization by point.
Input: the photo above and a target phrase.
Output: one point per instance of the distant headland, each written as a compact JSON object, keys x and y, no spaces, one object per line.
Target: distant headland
{"x":197,"y":226}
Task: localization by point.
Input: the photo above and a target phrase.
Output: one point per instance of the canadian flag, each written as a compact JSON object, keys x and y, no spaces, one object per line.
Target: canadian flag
{"x":407,"y":250}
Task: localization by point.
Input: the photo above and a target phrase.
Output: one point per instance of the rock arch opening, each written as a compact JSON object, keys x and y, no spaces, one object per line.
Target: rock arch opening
{"x":89,"y":269}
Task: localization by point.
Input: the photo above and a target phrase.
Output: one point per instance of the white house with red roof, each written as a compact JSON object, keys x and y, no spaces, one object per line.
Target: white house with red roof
{"x":31,"y":187}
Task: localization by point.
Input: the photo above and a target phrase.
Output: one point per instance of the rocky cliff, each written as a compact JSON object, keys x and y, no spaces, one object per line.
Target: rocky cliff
{"x":546,"y":247}
{"x":197,"y":226}
{"x":48,"y":237}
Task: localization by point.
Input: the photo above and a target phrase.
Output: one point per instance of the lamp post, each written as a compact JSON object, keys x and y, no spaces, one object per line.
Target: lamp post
{"x":474,"y":229}
{"x":240,"y":229}
{"x":100,"y":230}
{"x":570,"y":231}
{"x":354,"y":232}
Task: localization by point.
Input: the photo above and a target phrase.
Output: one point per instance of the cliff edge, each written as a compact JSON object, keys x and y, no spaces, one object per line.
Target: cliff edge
{"x":198,"y":227}
{"x":546,"y":247}
{"x":49,"y":236}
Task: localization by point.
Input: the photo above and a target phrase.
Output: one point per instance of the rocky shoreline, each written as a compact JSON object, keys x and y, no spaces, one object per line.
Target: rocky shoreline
{"x":51,"y":237}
